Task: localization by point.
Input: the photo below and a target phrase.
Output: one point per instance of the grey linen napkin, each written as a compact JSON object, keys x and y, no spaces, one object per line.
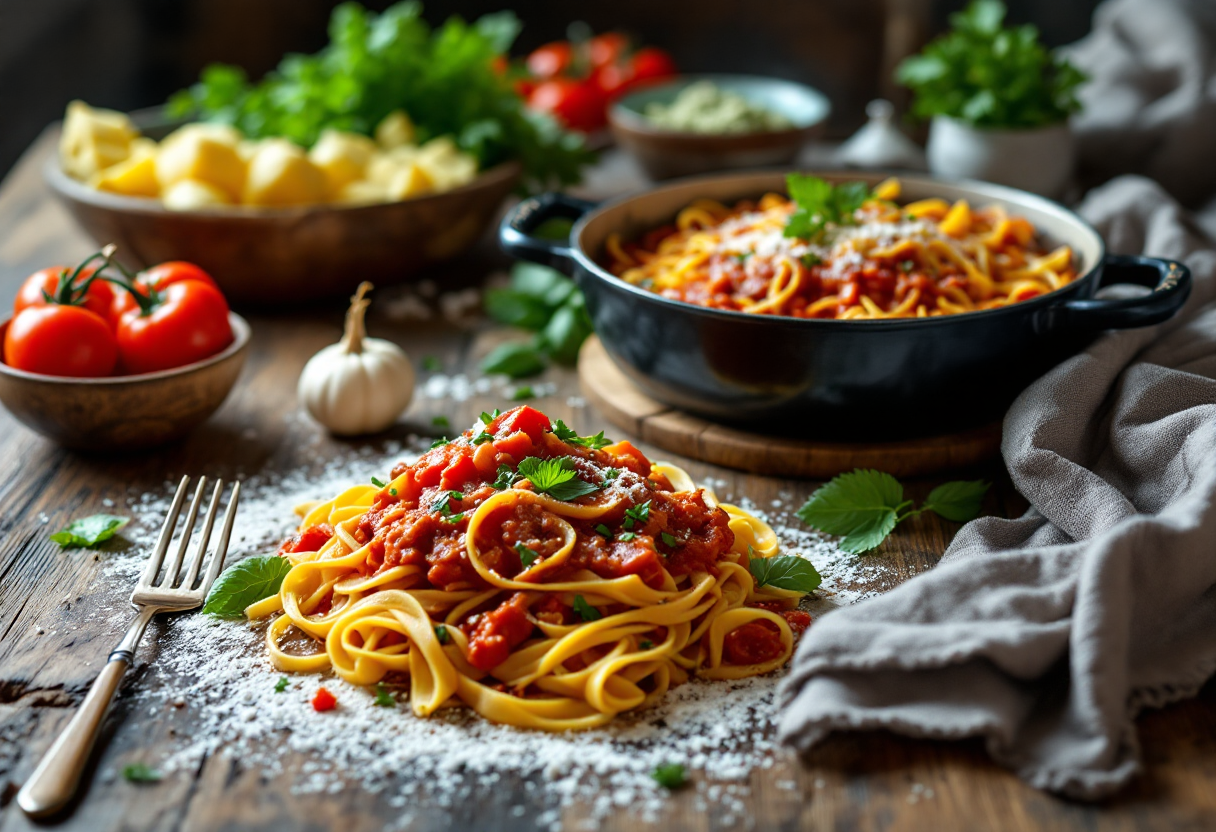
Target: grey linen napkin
{"x":1046,"y":634}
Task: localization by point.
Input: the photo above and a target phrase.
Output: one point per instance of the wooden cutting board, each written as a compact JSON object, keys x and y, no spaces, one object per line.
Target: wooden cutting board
{"x":625,"y":405}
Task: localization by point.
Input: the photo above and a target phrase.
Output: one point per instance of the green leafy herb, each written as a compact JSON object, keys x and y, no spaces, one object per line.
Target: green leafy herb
{"x":527,"y":556}
{"x":481,"y":437}
{"x":670,"y":776}
{"x":375,"y":65}
{"x":565,"y":433}
{"x":604,"y":530}
{"x":453,"y":518}
{"x":907,"y":265}
{"x":741,"y":256}
{"x":820,"y":202}
{"x":89,"y":531}
{"x":522,"y":393}
{"x":637,"y":514}
{"x":245,"y":583}
{"x":442,"y":504}
{"x":281,"y":685}
{"x":140,"y":773}
{"x":626,"y":536}
{"x":441,"y":422}
{"x":516,"y":360}
{"x":556,"y":477}
{"x":379,"y":483}
{"x":585,"y":610}
{"x":392,"y":492}
{"x":441,"y":633}
{"x":431,"y":364}
{"x":554,"y":228}
{"x":811,"y":259}
{"x":669,"y":540}
{"x":864,"y":506}
{"x":990,"y":75}
{"x":646,"y":644}
{"x":486,"y":418}
{"x":785,"y":572}
{"x":543,"y":301}
{"x":610,"y":475}
{"x":505,"y":477}
{"x":440,"y":442}
{"x":384,"y":699}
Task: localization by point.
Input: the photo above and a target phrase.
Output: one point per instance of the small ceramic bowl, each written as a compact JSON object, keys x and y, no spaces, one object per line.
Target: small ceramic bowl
{"x":665,"y":153}
{"x":122,"y":413}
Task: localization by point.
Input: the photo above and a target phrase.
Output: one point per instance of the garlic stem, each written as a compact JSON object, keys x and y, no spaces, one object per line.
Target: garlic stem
{"x":356,"y":328}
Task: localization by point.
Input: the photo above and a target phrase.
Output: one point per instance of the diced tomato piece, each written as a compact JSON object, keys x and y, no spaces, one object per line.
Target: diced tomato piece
{"x":627,"y":456}
{"x":324,"y":701}
{"x":461,"y":470}
{"x":498,"y":632}
{"x":528,"y":419}
{"x":755,"y":642}
{"x":798,"y":620}
{"x":308,"y":540}
{"x":486,"y":459}
{"x":518,"y":445}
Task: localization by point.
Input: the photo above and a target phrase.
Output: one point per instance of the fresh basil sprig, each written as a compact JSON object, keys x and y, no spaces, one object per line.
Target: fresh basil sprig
{"x":784,"y":572}
{"x":542,"y":301}
{"x":864,"y":506}
{"x":89,"y":531}
{"x":819,"y":202}
{"x":245,"y":583}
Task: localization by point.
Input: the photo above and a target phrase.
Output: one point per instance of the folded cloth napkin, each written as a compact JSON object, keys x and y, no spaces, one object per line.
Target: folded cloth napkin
{"x":1150,"y":104}
{"x":1046,"y":634}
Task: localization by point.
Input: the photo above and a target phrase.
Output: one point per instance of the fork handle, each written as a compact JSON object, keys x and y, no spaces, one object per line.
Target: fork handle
{"x":53,"y":784}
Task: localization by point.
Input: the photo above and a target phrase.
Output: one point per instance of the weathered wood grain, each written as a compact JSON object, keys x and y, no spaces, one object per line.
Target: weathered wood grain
{"x":49,"y":653}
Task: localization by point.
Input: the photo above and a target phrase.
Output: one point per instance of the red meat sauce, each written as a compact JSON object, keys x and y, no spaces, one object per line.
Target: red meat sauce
{"x":422,"y":516}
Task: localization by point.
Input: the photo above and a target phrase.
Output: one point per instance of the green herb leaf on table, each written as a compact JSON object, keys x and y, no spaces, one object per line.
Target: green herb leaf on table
{"x":958,"y":501}
{"x":431,"y":364}
{"x":862,"y":506}
{"x":785,"y":572}
{"x":384,"y":699}
{"x":585,"y":610}
{"x":281,"y":685}
{"x":441,"y":422}
{"x":246,"y":582}
{"x":540,"y":300}
{"x":89,"y":531}
{"x":522,"y":393}
{"x":515,"y":360}
{"x":140,"y":773}
{"x":556,"y":477}
{"x":670,"y":776}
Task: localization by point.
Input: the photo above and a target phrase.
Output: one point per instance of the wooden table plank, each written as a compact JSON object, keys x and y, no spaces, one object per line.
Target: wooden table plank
{"x":53,"y":634}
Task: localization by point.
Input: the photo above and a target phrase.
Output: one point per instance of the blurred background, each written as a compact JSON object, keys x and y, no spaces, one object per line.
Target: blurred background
{"x":127,"y":54}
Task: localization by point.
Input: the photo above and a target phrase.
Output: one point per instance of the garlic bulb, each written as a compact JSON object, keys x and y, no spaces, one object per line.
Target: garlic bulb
{"x":359,"y":385}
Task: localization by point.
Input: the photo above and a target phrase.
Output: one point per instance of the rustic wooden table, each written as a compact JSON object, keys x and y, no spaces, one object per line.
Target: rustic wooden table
{"x":47,"y":661}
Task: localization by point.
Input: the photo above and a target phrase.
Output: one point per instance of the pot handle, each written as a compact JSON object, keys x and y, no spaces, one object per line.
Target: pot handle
{"x":1169,"y":280}
{"x":515,"y":235}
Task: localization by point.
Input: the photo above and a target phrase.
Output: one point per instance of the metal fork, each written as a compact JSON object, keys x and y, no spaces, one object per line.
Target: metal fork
{"x":54,"y":782}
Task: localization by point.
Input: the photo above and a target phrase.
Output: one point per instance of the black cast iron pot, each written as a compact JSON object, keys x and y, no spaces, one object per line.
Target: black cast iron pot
{"x":820,"y":379}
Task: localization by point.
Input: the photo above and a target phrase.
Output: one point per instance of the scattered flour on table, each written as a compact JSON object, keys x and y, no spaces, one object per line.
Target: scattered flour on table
{"x":218,"y":673}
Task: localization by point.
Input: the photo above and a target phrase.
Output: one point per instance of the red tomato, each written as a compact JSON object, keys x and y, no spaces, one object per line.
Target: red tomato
{"x":607,"y":48}
{"x":97,"y":299}
{"x":650,"y":64}
{"x":60,"y":340}
{"x":323,"y":700}
{"x":550,"y":60}
{"x":612,"y":79}
{"x":188,"y":322}
{"x":579,"y":105}
{"x":158,"y":277}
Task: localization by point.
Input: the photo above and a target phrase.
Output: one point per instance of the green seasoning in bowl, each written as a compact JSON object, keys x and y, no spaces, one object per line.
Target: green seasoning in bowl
{"x":704,"y":107}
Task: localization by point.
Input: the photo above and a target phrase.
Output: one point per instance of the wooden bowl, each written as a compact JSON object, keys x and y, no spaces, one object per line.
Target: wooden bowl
{"x":277,"y":256}
{"x":124,"y":412}
{"x":664,"y":154}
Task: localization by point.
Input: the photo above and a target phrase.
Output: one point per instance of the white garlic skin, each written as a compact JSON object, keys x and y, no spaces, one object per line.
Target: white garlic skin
{"x":355,"y":393}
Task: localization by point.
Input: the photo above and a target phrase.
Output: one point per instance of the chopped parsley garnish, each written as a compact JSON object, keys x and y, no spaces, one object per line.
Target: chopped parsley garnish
{"x":670,"y":776}
{"x":384,"y":699}
{"x":441,"y":422}
{"x":646,"y":644}
{"x":604,"y":530}
{"x":481,"y":437}
{"x":392,"y":492}
{"x":907,"y":265}
{"x":280,"y":685}
{"x":442,"y":505}
{"x":741,"y":256}
{"x":626,"y":536}
{"x":379,"y":483}
{"x":610,"y":475}
{"x":820,"y":202}
{"x":565,"y":433}
{"x":505,"y":478}
{"x":585,"y":610}
{"x":670,"y":540}
{"x":556,"y":477}
{"x":811,"y":259}
{"x":526,"y":556}
{"x":454,"y":518}
{"x":440,"y":442}
{"x":522,"y":393}
{"x":140,"y":773}
{"x":441,"y":633}
{"x":486,"y":418}
{"x":637,"y":514}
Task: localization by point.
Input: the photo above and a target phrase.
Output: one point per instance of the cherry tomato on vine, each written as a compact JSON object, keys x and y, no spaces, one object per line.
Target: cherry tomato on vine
{"x":607,"y":48}
{"x":650,"y":64}
{"x":98,"y":297}
{"x":578,"y":105}
{"x":60,"y":340}
{"x":158,"y":277}
{"x":184,"y":322}
{"x":551,"y":60}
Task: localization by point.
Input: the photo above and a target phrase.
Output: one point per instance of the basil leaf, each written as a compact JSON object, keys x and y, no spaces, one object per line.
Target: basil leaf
{"x":547,"y":286}
{"x":959,"y":501}
{"x":140,"y":773}
{"x":565,"y":333}
{"x":670,"y":776}
{"x":245,"y":583}
{"x":785,"y":572}
{"x":89,"y":531}
{"x":281,"y":685}
{"x":384,"y":699}
{"x":862,"y":506}
{"x":514,"y":308}
{"x":517,"y":360}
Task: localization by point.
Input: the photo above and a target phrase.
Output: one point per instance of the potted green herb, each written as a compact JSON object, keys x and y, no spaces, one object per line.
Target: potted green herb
{"x":998,"y":99}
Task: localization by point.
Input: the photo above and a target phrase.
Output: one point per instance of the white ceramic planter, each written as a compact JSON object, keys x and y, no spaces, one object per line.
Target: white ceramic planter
{"x":1038,"y":160}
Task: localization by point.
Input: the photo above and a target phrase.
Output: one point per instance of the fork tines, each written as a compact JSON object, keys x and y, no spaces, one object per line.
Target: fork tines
{"x":169,"y":582}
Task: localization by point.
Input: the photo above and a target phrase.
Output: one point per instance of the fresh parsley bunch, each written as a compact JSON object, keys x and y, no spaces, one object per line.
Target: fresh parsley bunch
{"x":819,"y":202}
{"x":376,"y":64}
{"x":991,"y":75}
{"x":864,"y":506}
{"x":542,"y":301}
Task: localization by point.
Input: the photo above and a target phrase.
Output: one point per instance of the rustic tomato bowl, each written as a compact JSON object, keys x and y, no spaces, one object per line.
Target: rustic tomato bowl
{"x":846,"y":379}
{"x":122,"y":413}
